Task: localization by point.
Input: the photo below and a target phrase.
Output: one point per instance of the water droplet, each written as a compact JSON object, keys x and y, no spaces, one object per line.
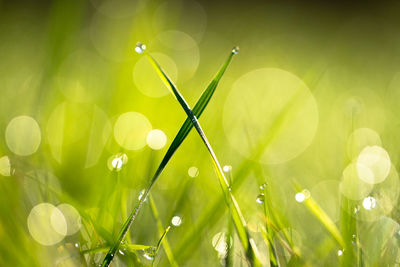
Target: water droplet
{"x":369,"y":203}
{"x":235,"y":50}
{"x":140,"y":48}
{"x":263,"y":186}
{"x":356,"y":209}
{"x":300,"y":197}
{"x":227,"y":168}
{"x":340,"y":252}
{"x":116,"y":162}
{"x":77,"y":245}
{"x":120,"y":252}
{"x":141,"y":194}
{"x":176,"y":221}
{"x":149,"y":253}
{"x":112,"y":255}
{"x":260,"y":199}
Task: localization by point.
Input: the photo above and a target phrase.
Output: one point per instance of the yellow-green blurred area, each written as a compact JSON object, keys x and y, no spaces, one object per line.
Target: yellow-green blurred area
{"x":309,"y":106}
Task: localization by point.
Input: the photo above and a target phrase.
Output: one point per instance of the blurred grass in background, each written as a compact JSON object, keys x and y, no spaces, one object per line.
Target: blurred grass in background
{"x":309,"y":107}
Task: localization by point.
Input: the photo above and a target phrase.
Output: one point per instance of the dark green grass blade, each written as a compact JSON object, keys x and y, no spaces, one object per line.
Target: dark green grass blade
{"x":237,"y":217}
{"x":197,"y":111}
{"x":183,"y":132}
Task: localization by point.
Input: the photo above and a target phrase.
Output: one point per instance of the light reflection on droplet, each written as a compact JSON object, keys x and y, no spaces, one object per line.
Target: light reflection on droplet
{"x":23,"y":135}
{"x":140,"y":48}
{"x":141,"y":194}
{"x":340,"y":252}
{"x":369,"y":203}
{"x":263,"y":186}
{"x":227,"y":168}
{"x":176,"y":221}
{"x":300,"y":197}
{"x":149,"y":253}
{"x":260,"y":198}
{"x":235,"y":50}
{"x":156,"y":139}
{"x":47,"y":224}
{"x":116,"y":162}
{"x":5,"y":166}
{"x":193,"y":171}
{"x":72,"y":218}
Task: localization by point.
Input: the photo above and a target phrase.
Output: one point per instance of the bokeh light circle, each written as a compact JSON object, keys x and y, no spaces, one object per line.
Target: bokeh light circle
{"x":147,"y":80}
{"x":351,"y":185}
{"x":183,"y":15}
{"x":182,"y":48}
{"x":156,"y":139}
{"x":193,"y":171}
{"x":382,"y":199}
{"x":72,"y":217}
{"x":377,"y":161}
{"x":359,"y":139}
{"x":23,"y":135}
{"x":270,"y":113}
{"x":47,"y":224}
{"x":131,"y":129}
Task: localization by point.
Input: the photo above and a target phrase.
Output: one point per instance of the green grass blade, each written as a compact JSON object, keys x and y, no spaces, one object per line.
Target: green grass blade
{"x":237,"y":217}
{"x":183,"y":132}
{"x":161,"y":241}
{"x":325,"y":220}
{"x":167,"y":247}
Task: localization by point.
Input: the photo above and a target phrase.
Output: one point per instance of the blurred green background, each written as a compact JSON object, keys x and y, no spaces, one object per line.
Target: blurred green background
{"x":312,"y":96}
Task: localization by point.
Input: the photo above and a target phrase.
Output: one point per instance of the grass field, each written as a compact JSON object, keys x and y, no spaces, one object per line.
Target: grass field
{"x":185,"y":133}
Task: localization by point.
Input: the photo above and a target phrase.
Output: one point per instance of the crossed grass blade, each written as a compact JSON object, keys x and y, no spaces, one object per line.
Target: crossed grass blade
{"x":179,"y":138}
{"x":236,"y":214}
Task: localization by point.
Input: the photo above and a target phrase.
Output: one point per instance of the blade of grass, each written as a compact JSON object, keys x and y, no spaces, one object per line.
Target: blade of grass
{"x":167,"y":247}
{"x":162,"y":238}
{"x":129,"y":247}
{"x":237,"y":217}
{"x":190,"y":240}
{"x":324,"y":219}
{"x":183,"y":132}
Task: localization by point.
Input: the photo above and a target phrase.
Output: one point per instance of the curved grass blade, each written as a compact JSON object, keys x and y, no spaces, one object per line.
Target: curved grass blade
{"x":162,"y":238}
{"x":237,"y":217}
{"x":183,"y":132}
